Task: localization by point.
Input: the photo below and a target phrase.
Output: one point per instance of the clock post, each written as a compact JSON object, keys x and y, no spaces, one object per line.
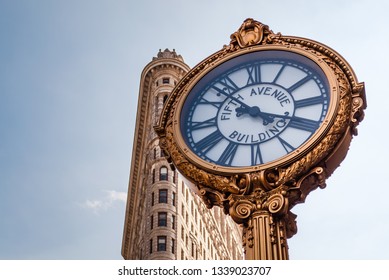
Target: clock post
{"x":260,"y":124}
{"x":265,"y":212}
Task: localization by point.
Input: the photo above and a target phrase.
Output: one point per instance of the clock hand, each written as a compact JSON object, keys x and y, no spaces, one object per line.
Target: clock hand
{"x":303,"y":123}
{"x":242,"y":104}
{"x":285,"y":116}
{"x":255,"y":112}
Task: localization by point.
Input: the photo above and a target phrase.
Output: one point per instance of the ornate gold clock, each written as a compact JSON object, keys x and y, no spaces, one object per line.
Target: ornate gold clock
{"x":258,"y":125}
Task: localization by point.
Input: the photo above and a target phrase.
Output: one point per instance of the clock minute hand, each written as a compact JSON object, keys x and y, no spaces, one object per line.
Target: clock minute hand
{"x":241,"y":103}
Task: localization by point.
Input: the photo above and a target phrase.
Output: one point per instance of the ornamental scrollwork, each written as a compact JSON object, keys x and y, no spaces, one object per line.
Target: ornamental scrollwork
{"x":250,"y":33}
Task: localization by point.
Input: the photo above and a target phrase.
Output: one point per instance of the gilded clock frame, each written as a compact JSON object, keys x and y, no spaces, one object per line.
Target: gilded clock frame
{"x":316,"y":137}
{"x":319,"y":156}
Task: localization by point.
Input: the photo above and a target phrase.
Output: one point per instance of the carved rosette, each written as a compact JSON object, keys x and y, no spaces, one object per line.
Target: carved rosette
{"x":278,"y":188}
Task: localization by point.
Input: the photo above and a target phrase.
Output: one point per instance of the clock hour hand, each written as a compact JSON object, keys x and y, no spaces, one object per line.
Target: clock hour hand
{"x":254,"y":112}
{"x":241,"y":110}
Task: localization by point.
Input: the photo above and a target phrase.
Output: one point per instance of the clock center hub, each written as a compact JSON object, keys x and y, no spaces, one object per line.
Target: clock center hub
{"x":254,"y":111}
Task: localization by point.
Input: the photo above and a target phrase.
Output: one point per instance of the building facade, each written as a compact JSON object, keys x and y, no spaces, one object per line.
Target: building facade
{"x":165,"y":219}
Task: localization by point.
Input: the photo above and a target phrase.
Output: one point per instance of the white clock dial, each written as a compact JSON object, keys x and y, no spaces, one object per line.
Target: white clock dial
{"x":255,"y":108}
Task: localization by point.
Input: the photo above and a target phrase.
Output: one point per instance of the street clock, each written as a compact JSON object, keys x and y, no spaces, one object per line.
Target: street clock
{"x":258,"y":125}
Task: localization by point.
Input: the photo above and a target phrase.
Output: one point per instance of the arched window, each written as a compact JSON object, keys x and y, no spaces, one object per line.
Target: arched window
{"x":164,"y":99}
{"x":163,"y":175}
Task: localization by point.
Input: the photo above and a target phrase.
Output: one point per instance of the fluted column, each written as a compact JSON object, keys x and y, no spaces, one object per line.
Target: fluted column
{"x":265,"y":218}
{"x":264,"y":237}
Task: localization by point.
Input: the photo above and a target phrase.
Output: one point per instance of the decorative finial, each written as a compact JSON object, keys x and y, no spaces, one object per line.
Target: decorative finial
{"x":251,"y":32}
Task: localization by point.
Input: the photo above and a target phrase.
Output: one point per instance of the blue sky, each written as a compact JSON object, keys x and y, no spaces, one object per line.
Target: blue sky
{"x":69,"y":81}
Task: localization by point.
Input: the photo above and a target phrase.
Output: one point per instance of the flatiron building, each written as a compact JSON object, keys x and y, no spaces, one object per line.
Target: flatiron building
{"x":165,"y":219}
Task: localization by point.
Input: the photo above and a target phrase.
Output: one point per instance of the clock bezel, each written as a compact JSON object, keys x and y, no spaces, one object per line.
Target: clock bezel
{"x":302,"y":150}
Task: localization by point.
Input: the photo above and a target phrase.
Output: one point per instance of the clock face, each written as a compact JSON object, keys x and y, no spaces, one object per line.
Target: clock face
{"x":255,"y":108}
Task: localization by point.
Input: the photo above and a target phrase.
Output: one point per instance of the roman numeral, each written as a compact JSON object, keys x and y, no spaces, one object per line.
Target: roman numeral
{"x":254,"y":74}
{"x":304,"y":124}
{"x":299,"y":83}
{"x":288,"y":147}
{"x":228,"y":154}
{"x":309,"y":101}
{"x":256,"y":156}
{"x":204,"y":124}
{"x":228,"y":85}
{"x":208,"y":142}
{"x":279,"y":73}
{"x":216,"y":104}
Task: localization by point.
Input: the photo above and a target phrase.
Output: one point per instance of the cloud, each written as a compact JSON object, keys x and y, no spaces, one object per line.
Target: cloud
{"x":110,"y":198}
{"x":117,"y":196}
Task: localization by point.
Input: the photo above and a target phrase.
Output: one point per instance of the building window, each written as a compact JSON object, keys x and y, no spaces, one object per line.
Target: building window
{"x":155,"y":153}
{"x":165,"y":80}
{"x":173,"y":222}
{"x":152,"y":199}
{"x":173,"y":198}
{"x":182,"y":254}
{"x":162,"y":219}
{"x":173,"y":246}
{"x":151,"y":222}
{"x":151,"y":245}
{"x":153,"y":175}
{"x":162,"y":196}
{"x":163,"y":173}
{"x":161,"y":243}
{"x":182,"y":233}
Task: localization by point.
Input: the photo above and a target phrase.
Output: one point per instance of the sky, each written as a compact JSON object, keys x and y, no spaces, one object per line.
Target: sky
{"x":69,"y":83}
